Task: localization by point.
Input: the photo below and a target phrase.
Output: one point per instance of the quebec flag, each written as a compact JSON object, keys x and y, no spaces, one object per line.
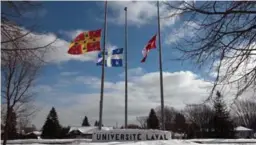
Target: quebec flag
{"x":113,"y":58}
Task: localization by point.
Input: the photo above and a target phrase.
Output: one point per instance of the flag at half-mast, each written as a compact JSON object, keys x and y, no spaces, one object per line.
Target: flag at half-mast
{"x":113,"y":58}
{"x":86,"y":42}
{"x":151,"y":45}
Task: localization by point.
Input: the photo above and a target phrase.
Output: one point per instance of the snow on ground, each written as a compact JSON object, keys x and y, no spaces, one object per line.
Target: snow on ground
{"x":224,"y":140}
{"x":87,"y":142}
{"x":157,"y":142}
{"x":46,"y":141}
{"x":88,"y":129}
{"x":241,"y":128}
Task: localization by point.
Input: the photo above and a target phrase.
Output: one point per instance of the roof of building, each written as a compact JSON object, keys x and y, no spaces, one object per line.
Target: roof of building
{"x":88,"y":129}
{"x":38,"y":133}
{"x":241,"y":128}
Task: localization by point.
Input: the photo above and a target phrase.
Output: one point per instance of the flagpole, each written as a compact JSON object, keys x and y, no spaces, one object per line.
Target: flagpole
{"x":160,"y":68}
{"x":126,"y":93}
{"x":103,"y":67}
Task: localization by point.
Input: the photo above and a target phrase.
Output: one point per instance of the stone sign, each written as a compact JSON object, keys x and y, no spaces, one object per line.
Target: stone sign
{"x":130,"y":135}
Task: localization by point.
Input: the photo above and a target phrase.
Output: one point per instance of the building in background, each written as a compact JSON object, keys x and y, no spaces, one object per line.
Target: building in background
{"x":85,"y":131}
{"x":243,"y":132}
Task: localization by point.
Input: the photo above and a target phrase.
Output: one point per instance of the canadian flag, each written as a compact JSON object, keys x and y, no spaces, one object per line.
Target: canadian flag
{"x":151,"y":45}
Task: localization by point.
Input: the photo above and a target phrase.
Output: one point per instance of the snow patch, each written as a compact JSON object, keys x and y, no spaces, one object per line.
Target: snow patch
{"x":87,"y":142}
{"x":241,"y":128}
{"x":88,"y":129}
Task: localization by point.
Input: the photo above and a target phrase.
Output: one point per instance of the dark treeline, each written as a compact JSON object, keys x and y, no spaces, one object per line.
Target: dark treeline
{"x":204,"y":120}
{"x":51,"y":129}
{"x":195,"y":120}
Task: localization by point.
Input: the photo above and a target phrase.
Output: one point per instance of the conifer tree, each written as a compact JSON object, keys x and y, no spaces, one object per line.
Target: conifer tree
{"x":152,"y":121}
{"x":96,"y":123}
{"x":222,"y":125}
{"x":51,"y":128}
{"x":85,"y":121}
{"x":179,"y":123}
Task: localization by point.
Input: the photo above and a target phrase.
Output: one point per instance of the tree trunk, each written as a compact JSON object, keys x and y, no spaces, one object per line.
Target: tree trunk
{"x":6,"y":127}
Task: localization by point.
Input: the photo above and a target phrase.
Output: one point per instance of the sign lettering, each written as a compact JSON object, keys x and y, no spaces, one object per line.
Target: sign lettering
{"x":134,"y":135}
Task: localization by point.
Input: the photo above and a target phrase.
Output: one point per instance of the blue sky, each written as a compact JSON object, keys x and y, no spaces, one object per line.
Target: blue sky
{"x":89,"y":16}
{"x":71,"y":83}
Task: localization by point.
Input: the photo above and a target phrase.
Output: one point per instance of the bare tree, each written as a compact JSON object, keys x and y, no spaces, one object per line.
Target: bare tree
{"x":24,"y":114}
{"x":200,"y":115}
{"x":244,"y":111}
{"x":21,"y":60}
{"x":18,"y":77}
{"x":143,"y":121}
{"x":13,"y":30}
{"x":224,"y":38}
{"x":179,"y":123}
{"x":169,"y":115}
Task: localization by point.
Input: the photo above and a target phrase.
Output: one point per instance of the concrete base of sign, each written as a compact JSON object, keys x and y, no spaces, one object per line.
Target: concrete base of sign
{"x":130,"y":135}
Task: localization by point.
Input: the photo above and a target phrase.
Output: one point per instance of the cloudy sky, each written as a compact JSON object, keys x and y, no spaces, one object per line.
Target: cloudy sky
{"x":72,"y":83}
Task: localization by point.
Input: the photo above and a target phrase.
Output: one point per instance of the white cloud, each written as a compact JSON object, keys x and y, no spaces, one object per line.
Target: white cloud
{"x":58,"y":52}
{"x":180,"y":88}
{"x":140,"y":13}
{"x":234,"y":72}
{"x":68,"y":73}
{"x":110,"y":46}
{"x":133,"y":72}
{"x":242,"y":69}
{"x":185,"y":30}
{"x":43,"y":88}
{"x":72,"y":34}
{"x":143,"y":93}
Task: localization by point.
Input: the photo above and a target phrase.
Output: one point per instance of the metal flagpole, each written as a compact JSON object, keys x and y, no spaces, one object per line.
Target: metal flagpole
{"x":160,"y":68}
{"x":126,"y":93}
{"x":103,"y":67}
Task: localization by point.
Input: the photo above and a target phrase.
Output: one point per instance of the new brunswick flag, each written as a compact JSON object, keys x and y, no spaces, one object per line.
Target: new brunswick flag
{"x":85,"y":42}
